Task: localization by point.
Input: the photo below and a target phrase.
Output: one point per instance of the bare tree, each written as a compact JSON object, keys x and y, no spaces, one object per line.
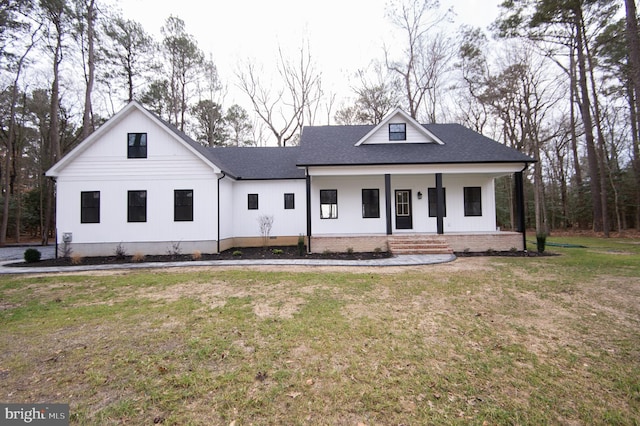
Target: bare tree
{"x":424,"y":59}
{"x":288,"y":107}
{"x":374,"y":98}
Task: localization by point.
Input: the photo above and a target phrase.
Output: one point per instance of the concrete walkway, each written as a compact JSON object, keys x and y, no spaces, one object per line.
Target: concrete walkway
{"x":16,"y":254}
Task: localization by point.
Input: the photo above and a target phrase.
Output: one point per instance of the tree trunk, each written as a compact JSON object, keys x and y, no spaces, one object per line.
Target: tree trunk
{"x":585,"y":111}
{"x":633,"y":42}
{"x":601,"y":147}
{"x":10,"y":142}
{"x":87,"y":119}
{"x":54,"y":141}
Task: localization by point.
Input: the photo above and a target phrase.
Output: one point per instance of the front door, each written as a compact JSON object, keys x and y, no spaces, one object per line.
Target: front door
{"x":403,"y":209}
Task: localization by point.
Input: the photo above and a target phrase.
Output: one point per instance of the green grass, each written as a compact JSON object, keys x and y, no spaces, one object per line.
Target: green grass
{"x":546,"y":340}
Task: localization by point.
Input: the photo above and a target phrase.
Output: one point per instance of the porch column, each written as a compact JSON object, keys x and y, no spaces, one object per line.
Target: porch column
{"x":439,"y":203}
{"x":387,"y":197}
{"x":308,"y":179}
{"x":519,"y":199}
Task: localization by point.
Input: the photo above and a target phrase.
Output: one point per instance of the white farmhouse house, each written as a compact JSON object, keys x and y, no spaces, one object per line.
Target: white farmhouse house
{"x":139,"y":183}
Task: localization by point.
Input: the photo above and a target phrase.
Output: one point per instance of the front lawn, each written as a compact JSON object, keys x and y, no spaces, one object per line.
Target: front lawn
{"x":482,"y":341}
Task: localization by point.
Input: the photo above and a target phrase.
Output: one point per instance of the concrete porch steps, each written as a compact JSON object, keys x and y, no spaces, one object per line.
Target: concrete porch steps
{"x":418,"y":244}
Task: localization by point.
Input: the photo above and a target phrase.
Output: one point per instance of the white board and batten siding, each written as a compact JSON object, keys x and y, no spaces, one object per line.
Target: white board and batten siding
{"x":103,"y":166}
{"x":286,"y":222}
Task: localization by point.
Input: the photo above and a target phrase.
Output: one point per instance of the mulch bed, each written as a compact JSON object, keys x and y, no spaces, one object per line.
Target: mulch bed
{"x":243,"y":253}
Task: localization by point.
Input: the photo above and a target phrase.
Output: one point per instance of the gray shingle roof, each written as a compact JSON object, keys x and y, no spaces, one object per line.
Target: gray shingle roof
{"x":258,"y":163}
{"x":335,"y":145}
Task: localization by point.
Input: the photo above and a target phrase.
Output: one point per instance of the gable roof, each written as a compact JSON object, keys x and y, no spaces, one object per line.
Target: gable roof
{"x":337,"y":145}
{"x":191,"y":145}
{"x":391,"y":116}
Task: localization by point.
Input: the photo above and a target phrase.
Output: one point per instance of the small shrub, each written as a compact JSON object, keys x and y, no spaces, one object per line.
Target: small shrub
{"x":196,"y":255}
{"x":467,"y":250}
{"x":277,"y":251}
{"x":327,"y":252}
{"x":236,"y":253}
{"x":377,"y":250}
{"x":175,"y":250}
{"x":266,"y":223}
{"x":350,"y":251}
{"x":137,"y":257}
{"x":120,"y":252}
{"x":513,"y":249}
{"x":76,"y":259}
{"x":32,"y":255}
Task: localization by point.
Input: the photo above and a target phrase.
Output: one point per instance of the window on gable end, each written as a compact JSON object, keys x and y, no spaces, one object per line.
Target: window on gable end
{"x":397,"y":132}
{"x":136,"y":145}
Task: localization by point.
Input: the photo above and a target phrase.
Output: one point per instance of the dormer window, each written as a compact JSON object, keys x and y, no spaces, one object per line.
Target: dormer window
{"x":397,"y":131}
{"x":136,"y":145}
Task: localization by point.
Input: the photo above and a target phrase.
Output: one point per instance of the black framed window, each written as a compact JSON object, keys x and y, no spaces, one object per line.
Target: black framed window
{"x":90,"y":207}
{"x":252,"y":201}
{"x":432,"y":194}
{"x":397,"y":132}
{"x":328,"y":204}
{"x":472,"y":201}
{"x":137,"y":206}
{"x":183,"y":205}
{"x":371,"y":203}
{"x":136,"y":145}
{"x":289,"y":201}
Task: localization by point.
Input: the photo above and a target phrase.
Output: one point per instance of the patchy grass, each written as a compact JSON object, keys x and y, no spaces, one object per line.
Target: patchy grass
{"x":544,"y":340}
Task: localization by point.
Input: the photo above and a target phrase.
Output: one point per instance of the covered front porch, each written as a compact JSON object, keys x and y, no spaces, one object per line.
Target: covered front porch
{"x":421,"y":208}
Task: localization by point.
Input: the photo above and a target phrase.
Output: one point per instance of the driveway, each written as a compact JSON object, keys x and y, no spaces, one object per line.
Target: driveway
{"x":9,"y":253}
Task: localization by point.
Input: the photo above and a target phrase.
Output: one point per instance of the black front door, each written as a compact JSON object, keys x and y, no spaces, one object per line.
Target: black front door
{"x":403,"y":209}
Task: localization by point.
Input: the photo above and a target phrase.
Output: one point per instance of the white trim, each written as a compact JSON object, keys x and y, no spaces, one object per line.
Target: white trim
{"x":492,"y":168}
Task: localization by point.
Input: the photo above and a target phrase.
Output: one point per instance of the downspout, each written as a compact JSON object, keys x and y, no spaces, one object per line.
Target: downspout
{"x":55,"y":212}
{"x":218,"y":239}
{"x":308,"y":182}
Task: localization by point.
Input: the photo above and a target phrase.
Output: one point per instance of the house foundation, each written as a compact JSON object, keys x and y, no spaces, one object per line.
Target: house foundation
{"x":470,"y":242}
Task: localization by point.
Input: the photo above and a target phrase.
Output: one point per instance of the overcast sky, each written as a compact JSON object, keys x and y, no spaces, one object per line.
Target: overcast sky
{"x":344,"y":35}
